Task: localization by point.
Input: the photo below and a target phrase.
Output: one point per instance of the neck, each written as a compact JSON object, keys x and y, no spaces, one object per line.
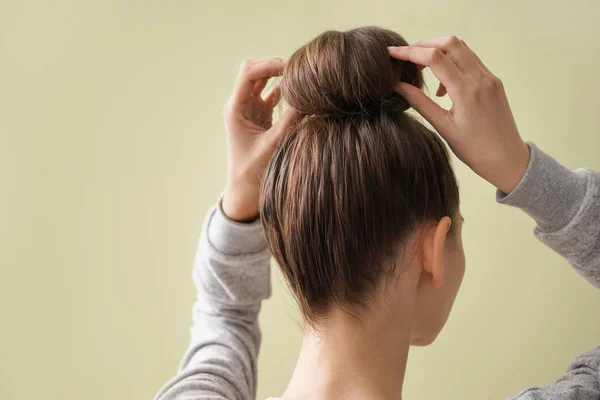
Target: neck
{"x":348,"y":358}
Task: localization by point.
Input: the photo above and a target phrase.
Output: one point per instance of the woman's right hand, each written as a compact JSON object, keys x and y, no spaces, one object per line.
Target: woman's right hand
{"x":479,"y":128}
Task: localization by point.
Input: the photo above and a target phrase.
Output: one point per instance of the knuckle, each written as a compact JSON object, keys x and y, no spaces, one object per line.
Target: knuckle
{"x":452,"y":41}
{"x":246,"y":65}
{"x":492,"y":83}
{"x":227,"y":111}
{"x":498,"y":83}
{"x":435,"y":56}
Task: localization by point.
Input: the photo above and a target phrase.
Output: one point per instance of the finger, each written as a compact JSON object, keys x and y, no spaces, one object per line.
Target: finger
{"x":442,"y":66}
{"x":291,"y":116}
{"x":253,"y":71}
{"x":259,"y":86}
{"x":273,"y":97}
{"x":438,"y":42}
{"x":432,"y":112}
{"x":464,"y":58}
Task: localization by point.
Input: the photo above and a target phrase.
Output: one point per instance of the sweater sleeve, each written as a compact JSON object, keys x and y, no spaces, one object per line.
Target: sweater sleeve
{"x":581,"y":382}
{"x":566,"y":207}
{"x":232,"y":277}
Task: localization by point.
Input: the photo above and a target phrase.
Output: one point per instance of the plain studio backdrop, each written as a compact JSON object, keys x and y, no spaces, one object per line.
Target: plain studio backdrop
{"x":112,"y":148}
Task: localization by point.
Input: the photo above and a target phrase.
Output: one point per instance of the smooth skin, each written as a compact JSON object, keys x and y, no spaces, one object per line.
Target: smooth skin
{"x":357,"y":359}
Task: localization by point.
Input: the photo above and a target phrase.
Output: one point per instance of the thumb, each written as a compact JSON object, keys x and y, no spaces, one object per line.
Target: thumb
{"x":429,"y":109}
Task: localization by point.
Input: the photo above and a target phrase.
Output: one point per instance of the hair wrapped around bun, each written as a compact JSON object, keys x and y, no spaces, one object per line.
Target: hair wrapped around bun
{"x":348,"y":73}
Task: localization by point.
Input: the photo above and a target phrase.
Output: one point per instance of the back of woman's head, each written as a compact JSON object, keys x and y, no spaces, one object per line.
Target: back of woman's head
{"x":356,"y":176}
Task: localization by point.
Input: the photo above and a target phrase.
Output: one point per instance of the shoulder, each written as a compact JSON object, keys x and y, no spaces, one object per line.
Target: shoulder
{"x":581,"y":381}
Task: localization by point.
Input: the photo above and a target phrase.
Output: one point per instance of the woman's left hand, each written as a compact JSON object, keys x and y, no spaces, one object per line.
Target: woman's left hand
{"x":251,"y":135}
{"x":479,"y":128}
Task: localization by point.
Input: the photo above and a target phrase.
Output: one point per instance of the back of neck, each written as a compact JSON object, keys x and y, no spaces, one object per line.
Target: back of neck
{"x":348,"y":358}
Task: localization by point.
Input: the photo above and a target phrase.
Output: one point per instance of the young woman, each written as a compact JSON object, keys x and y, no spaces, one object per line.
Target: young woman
{"x":360,"y":207}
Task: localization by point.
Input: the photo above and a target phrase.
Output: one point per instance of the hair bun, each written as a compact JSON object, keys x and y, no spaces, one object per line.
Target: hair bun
{"x":348,"y":73}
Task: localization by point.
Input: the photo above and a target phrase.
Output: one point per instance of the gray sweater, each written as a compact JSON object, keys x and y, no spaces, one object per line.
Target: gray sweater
{"x":231,"y":273}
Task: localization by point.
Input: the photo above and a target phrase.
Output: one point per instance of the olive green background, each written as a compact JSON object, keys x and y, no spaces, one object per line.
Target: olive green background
{"x":112,"y":148}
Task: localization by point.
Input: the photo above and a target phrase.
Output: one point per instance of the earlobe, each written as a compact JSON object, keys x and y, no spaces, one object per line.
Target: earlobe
{"x":433,"y":251}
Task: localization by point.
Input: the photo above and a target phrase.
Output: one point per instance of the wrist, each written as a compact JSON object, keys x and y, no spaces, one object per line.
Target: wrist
{"x":237,"y":206}
{"x":514,"y":169}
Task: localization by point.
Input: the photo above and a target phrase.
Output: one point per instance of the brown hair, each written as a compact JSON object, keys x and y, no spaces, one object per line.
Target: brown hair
{"x":356,"y":175}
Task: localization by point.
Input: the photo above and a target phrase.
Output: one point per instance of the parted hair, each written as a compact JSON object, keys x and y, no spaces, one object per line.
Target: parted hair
{"x":350,"y":180}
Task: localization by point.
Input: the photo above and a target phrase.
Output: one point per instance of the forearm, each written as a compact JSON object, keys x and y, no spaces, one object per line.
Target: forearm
{"x":566,"y":207}
{"x":231,"y":274}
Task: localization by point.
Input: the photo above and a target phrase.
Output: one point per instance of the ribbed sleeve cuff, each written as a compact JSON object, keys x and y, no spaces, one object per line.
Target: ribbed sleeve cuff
{"x":234,"y":238}
{"x":548,"y":192}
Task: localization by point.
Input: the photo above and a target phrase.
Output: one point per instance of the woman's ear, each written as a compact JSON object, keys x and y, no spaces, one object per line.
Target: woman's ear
{"x":433,"y":250}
